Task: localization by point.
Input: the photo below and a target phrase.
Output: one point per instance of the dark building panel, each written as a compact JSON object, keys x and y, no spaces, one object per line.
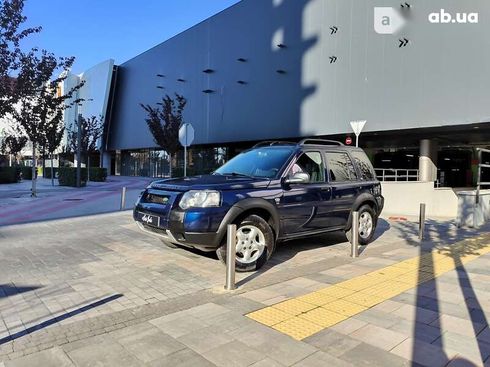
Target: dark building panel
{"x":300,"y":79}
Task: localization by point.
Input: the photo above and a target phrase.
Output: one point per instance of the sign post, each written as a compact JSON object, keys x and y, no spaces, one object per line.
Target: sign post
{"x":357,"y":126}
{"x":186,"y":137}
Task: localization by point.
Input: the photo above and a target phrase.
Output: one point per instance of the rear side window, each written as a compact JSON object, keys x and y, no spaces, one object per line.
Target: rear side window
{"x":340,"y":167}
{"x":365,"y":166}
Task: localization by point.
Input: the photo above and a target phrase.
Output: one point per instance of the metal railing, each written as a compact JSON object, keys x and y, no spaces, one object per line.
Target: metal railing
{"x":481,"y":165}
{"x":397,"y":174}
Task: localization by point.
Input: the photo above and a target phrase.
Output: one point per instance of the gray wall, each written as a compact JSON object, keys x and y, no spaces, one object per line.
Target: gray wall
{"x":441,"y":78}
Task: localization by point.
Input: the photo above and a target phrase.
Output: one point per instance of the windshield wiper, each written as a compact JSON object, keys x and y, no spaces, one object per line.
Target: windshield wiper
{"x":237,"y":174}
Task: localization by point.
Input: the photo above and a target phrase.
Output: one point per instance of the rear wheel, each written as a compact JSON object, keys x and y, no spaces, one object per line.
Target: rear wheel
{"x":254,"y":244}
{"x":367,"y":225}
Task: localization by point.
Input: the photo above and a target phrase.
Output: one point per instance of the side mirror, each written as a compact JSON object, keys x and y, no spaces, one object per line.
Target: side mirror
{"x":298,"y":178}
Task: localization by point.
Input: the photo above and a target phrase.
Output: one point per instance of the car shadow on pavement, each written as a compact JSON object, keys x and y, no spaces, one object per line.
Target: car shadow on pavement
{"x":59,"y":318}
{"x":8,"y":290}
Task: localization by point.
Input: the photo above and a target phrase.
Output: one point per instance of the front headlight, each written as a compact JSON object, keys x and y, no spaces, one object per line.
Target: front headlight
{"x":200,"y":199}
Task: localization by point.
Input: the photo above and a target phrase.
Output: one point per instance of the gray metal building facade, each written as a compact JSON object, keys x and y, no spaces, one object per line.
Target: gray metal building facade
{"x":285,"y":69}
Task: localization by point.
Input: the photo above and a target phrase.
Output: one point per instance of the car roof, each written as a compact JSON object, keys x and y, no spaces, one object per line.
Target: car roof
{"x":314,"y":143}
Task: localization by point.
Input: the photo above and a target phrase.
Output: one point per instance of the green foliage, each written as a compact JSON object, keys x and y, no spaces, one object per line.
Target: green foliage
{"x":164,"y":123}
{"x":91,"y":130}
{"x":9,"y":175}
{"x":67,"y":176}
{"x":12,"y":32}
{"x":26,"y":173}
{"x":13,"y":144}
{"x":98,"y":174}
{"x":47,"y":172}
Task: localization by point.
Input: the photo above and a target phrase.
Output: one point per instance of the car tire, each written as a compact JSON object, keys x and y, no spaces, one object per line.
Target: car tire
{"x":367,"y":219}
{"x":169,"y":244}
{"x":252,"y":253}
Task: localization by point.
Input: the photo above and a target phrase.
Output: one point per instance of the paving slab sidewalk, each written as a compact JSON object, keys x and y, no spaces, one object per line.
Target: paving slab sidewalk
{"x":94,"y":289}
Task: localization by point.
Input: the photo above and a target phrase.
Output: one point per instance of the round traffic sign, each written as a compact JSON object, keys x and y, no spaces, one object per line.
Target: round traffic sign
{"x":186,"y":134}
{"x":348,"y":140}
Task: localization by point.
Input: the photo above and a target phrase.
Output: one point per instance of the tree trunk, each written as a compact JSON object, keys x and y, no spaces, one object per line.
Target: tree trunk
{"x":52,"y":170}
{"x":44,"y":159}
{"x":88,"y":167}
{"x":34,"y":171}
{"x":170,"y":165}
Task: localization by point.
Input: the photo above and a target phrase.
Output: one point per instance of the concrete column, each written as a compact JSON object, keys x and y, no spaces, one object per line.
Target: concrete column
{"x":428,"y":160}
{"x":106,"y":161}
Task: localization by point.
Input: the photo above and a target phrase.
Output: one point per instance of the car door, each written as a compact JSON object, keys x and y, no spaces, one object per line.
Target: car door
{"x":342,"y":178}
{"x":301,"y":208}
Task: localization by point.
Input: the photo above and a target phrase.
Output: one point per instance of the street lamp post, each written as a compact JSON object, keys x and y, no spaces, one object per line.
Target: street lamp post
{"x":79,"y":150}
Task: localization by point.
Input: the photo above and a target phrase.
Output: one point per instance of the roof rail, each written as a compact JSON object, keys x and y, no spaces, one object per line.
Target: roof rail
{"x":273,"y":142}
{"x":320,"y":142}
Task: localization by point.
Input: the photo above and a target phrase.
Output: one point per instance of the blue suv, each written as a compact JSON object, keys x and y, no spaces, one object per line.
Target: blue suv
{"x":274,"y":192}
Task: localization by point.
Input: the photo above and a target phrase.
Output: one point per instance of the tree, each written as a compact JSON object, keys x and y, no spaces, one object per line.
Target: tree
{"x":91,"y":131}
{"x":41,"y":100}
{"x":13,"y":145}
{"x":11,"y":35}
{"x":164,"y":123}
{"x":53,"y":135}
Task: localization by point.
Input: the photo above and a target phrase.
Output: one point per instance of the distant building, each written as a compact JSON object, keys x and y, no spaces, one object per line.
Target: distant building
{"x":288,"y":69}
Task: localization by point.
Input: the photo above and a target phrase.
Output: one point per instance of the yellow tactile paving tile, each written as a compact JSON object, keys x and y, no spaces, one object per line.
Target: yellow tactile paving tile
{"x":298,"y":328}
{"x":336,"y":291}
{"x":365,"y":300}
{"x":317,"y":298}
{"x":269,"y":316}
{"x":323,"y":317}
{"x":294,"y":306}
{"x":345,"y":308}
{"x":303,"y":316}
{"x":355,"y":284}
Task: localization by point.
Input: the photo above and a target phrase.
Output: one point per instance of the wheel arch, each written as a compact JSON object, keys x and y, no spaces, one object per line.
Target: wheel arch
{"x":363,"y":199}
{"x":251,"y":206}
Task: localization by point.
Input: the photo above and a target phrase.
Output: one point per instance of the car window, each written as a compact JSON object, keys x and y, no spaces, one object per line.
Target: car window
{"x":310,"y":163}
{"x":364,"y":164}
{"x":340,"y":167}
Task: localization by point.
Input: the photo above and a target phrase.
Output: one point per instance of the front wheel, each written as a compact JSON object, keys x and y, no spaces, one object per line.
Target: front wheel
{"x":254,"y":244}
{"x":367,"y":225}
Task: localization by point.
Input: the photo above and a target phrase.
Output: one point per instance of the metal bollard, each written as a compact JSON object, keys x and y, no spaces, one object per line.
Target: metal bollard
{"x":123,"y":198}
{"x":230,"y":257}
{"x":354,"y":252}
{"x":422,"y":221}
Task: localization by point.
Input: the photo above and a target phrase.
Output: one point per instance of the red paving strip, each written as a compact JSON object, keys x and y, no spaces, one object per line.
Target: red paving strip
{"x":65,"y":205}
{"x":55,"y":208}
{"x":85,"y":195}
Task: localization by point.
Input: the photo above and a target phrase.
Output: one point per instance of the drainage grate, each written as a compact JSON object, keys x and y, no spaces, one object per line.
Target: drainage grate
{"x":72,"y":199}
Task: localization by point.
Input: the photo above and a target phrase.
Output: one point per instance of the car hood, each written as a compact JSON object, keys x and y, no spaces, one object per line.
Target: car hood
{"x":214,"y":182}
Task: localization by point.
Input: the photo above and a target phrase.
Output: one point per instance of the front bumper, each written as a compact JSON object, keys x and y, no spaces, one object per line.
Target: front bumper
{"x":202,"y":241}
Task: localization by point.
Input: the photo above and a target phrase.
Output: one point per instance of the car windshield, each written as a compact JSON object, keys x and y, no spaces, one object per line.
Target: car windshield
{"x":260,"y":162}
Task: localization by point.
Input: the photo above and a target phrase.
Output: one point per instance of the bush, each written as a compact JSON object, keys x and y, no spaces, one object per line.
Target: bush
{"x":26,"y":173}
{"x":9,"y":175}
{"x":67,"y":176}
{"x":47,"y":172}
{"x":98,"y":174}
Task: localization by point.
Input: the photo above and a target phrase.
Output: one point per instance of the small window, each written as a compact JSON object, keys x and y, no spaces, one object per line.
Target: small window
{"x":365,"y":166}
{"x":310,"y":163}
{"x":340,"y":167}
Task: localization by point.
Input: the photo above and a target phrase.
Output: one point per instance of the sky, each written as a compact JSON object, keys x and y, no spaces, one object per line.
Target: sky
{"x":96,"y":30}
